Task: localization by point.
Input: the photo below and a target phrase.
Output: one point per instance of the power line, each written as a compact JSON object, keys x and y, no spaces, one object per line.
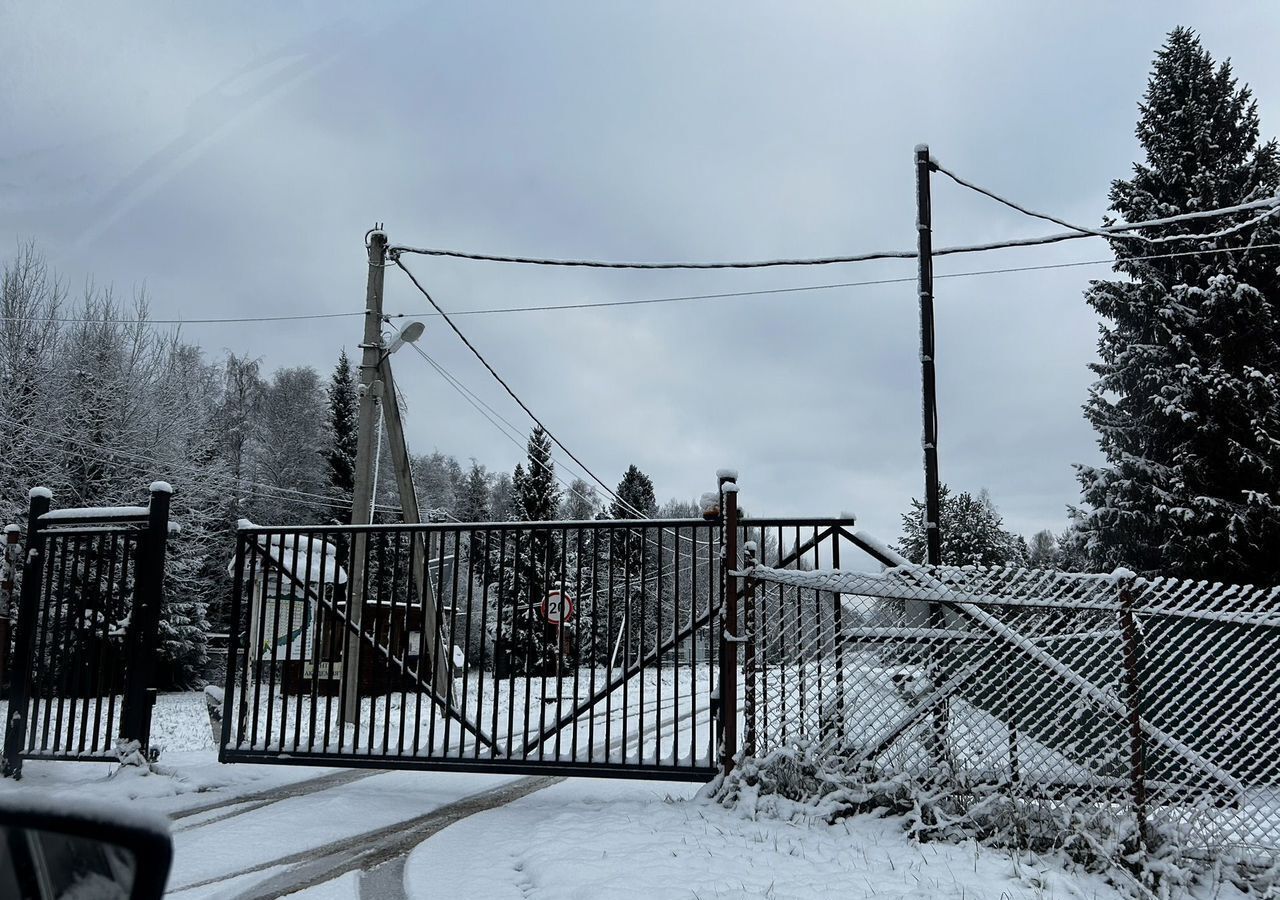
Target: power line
{"x":724,"y":295}
{"x":69,"y":320}
{"x":581,"y":465}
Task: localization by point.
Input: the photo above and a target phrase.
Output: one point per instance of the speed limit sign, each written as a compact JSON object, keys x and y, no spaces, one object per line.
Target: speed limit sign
{"x":557,"y":608}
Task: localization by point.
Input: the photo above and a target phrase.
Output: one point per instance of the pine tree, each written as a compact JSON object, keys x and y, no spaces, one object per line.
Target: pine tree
{"x":973,"y":533}
{"x":537,"y":497}
{"x":473,"y":505}
{"x":635,"y":498}
{"x":340,"y":454}
{"x":1187,"y":400}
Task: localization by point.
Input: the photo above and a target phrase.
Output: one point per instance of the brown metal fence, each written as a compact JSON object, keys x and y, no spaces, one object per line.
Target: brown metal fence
{"x":1150,"y":701}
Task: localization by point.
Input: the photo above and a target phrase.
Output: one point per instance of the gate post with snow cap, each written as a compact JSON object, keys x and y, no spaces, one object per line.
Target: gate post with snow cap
{"x":729,"y":638}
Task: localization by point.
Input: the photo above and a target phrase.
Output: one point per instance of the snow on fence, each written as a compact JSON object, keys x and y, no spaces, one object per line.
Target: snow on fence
{"x":1149,"y":700}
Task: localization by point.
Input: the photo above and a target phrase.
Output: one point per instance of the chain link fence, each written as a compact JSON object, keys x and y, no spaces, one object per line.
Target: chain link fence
{"x":1150,"y":705}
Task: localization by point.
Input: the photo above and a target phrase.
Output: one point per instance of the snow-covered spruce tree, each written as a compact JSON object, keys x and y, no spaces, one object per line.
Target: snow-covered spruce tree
{"x":973,"y":533}
{"x":1187,"y":401}
{"x":635,"y":498}
{"x":473,"y":499}
{"x":340,"y":453}
{"x":527,"y":642}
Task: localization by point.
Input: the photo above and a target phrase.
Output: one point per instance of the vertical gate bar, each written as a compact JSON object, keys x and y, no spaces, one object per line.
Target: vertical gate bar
{"x":577,"y":634}
{"x":837,"y":626}
{"x":693,"y":643}
{"x":385,"y":607}
{"x":657,"y":644}
{"x":501,"y":648}
{"x":820,"y":651}
{"x":233,"y":646}
{"x":307,"y":641}
{"x":453,"y":631}
{"x":84,"y":641}
{"x":528,"y":592}
{"x":484,"y":633}
{"x":536,"y":612}
{"x":287,"y":663}
{"x":313,"y":648}
{"x":88,"y":649}
{"x":613,"y":547}
{"x":72,"y":601}
{"x":466,"y":646}
{"x":24,"y":646}
{"x":247,"y":721}
{"x":560,"y":634}
{"x":54,"y":616}
{"x":437,"y":642}
{"x":511,"y":646}
{"x":275,"y":640}
{"x":404,"y":581}
{"x":644,"y":621}
{"x":334,"y":637}
{"x":418,"y":538}
{"x":594,"y":655}
{"x":258,"y":613}
{"x":41,"y":678}
{"x":60,"y":682}
{"x":129,"y":554}
{"x":626,"y":640}
{"x":675,"y":645}
{"x":803,"y":666}
{"x":749,"y":658}
{"x":103,"y":583}
{"x":373,"y":581}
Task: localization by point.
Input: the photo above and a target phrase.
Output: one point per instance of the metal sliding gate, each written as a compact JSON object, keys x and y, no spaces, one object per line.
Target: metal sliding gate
{"x":92,"y":586}
{"x":555,"y":647}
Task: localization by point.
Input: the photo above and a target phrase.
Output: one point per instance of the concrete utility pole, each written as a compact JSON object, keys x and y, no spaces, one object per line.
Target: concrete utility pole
{"x":432,"y":636}
{"x":371,"y":390}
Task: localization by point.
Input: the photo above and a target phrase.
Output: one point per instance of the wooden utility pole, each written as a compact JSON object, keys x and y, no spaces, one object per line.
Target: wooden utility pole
{"x":442,"y":661}
{"x":929,"y":395}
{"x":371,"y":389}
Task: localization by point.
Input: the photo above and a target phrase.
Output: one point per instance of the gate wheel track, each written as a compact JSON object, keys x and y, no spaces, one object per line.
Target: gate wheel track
{"x":372,"y":848}
{"x":250,"y":802}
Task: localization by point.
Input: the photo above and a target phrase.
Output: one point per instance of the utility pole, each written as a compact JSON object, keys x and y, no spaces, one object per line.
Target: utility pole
{"x":442,"y":661}
{"x":929,"y":395}
{"x":371,"y":390}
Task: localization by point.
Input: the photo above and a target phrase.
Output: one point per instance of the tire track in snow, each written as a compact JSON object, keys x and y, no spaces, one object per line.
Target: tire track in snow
{"x":371,"y":849}
{"x":251,"y":802}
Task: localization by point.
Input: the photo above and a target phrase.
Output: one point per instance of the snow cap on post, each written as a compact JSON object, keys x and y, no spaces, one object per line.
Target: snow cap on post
{"x":727,"y":474}
{"x":162,"y":487}
{"x":12,"y":529}
{"x":730,"y":487}
{"x":39,"y":492}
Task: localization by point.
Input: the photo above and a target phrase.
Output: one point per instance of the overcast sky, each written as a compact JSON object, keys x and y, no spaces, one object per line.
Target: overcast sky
{"x":231,"y":158}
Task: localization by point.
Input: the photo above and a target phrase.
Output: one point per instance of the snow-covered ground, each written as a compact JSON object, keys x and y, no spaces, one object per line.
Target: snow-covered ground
{"x":588,"y":838}
{"x":245,"y":828}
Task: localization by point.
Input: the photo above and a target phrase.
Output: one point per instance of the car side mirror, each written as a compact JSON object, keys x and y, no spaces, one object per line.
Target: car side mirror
{"x":51,"y":849}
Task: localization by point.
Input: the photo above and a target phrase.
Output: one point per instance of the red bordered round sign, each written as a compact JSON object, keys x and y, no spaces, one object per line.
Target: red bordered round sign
{"x":557,"y":607}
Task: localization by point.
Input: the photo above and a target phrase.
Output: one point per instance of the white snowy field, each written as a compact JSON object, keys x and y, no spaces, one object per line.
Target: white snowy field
{"x":588,"y":838}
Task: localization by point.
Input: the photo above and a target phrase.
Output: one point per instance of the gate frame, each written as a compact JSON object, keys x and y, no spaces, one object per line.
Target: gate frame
{"x":140,"y":635}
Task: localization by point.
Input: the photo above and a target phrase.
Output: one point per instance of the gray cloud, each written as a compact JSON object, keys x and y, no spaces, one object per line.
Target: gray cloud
{"x":232,"y":158}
